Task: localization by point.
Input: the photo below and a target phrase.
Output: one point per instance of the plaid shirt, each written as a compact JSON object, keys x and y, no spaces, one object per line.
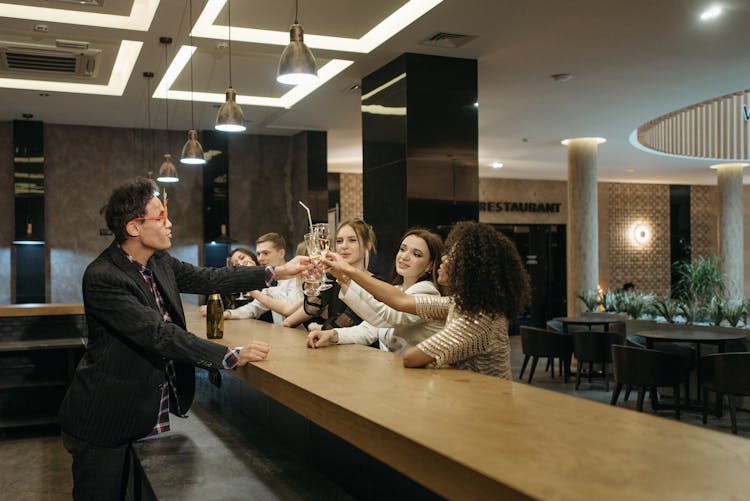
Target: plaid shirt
{"x":230,"y":359}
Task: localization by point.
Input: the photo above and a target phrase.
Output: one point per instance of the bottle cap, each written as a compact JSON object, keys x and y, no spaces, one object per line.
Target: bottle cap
{"x":214,"y":296}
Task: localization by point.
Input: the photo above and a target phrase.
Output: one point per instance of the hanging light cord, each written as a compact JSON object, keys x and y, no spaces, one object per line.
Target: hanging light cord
{"x":166,"y":98}
{"x":296,"y":11}
{"x":229,"y":15}
{"x":190,"y":31}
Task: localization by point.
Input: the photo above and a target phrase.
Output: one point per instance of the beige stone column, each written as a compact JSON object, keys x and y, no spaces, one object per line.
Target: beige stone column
{"x":582,"y":240}
{"x":731,"y":228}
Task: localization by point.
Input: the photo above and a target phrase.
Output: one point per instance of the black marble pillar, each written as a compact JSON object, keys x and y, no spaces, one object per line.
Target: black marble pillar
{"x":311,"y":149}
{"x":419,"y":136}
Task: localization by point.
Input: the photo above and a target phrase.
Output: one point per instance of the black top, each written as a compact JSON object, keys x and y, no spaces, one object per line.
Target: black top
{"x":339,"y":314}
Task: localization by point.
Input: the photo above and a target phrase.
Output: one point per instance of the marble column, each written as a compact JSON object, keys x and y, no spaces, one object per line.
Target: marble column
{"x":582,"y":228}
{"x":731,"y":228}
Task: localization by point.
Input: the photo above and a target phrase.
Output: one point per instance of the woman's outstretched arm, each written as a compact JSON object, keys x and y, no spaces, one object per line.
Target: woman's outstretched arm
{"x":382,"y":291}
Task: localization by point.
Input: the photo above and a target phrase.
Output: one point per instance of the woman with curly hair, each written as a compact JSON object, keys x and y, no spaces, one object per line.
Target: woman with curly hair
{"x":488,"y":285}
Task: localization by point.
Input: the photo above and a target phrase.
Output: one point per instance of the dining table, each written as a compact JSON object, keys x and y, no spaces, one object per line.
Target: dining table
{"x":589,"y":320}
{"x":695,"y":336}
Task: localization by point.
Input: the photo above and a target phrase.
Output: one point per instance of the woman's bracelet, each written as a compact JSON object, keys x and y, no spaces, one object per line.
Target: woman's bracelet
{"x":344,"y":280}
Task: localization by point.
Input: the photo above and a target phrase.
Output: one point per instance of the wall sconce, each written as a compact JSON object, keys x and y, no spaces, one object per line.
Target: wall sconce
{"x":640,"y":234}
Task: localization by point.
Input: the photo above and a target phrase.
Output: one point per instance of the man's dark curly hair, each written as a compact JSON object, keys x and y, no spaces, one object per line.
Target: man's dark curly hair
{"x":128,"y":202}
{"x":486,"y":274}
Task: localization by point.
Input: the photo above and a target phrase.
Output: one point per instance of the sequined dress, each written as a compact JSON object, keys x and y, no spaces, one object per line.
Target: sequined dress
{"x":477,"y":343}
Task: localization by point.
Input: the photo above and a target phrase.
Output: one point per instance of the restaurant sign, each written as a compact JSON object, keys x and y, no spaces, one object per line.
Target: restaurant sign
{"x":519,"y":207}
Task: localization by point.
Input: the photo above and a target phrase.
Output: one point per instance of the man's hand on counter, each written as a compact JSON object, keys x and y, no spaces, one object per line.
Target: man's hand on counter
{"x":255,"y":351}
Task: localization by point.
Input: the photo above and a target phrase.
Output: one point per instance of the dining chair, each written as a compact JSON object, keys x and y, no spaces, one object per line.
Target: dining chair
{"x":642,"y":368}
{"x":725,"y":374}
{"x":593,"y":347}
{"x":536,"y":343}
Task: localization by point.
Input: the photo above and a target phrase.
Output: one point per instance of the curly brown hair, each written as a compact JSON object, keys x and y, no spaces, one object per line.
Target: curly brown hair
{"x":485,"y":272}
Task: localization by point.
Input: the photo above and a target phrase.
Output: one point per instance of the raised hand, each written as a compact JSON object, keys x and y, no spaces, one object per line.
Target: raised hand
{"x":255,"y":351}
{"x":202,"y":309}
{"x":292,"y":268}
{"x":336,"y":265}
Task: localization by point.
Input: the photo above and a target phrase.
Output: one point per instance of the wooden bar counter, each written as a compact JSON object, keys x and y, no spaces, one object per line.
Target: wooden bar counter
{"x":468,"y":436}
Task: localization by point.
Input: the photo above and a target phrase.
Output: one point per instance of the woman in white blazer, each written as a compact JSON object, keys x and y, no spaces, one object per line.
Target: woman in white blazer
{"x":414,"y":272}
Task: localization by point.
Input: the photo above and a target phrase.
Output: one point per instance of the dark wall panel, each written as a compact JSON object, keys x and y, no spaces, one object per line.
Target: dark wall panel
{"x":419,"y":145}
{"x":6,"y":210}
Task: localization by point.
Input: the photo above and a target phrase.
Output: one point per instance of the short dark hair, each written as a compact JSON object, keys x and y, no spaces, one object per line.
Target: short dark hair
{"x":274,"y":238}
{"x":127,"y":202}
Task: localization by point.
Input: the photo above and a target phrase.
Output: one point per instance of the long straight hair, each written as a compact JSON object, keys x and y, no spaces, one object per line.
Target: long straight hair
{"x":365,"y":234}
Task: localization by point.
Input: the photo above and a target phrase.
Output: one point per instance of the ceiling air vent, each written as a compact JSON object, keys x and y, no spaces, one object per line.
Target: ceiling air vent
{"x":16,"y":57}
{"x":448,"y":40}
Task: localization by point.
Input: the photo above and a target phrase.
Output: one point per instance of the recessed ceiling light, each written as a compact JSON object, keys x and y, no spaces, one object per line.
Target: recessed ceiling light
{"x":496,"y":165}
{"x":711,"y":13}
{"x":476,"y":104}
{"x":598,"y":140}
{"x":630,"y":171}
{"x":561,"y":77}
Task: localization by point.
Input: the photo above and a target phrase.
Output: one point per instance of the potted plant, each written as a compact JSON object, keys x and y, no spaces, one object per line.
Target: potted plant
{"x":667,"y":308}
{"x":590,"y":299}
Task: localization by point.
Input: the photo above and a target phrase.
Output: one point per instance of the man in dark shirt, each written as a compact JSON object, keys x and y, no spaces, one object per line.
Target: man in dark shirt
{"x":139,"y":361}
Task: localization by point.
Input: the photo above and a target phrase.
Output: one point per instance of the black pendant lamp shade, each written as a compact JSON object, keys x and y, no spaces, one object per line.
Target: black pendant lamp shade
{"x":297,"y":64}
{"x":167,"y":171}
{"x":230,"y":117}
{"x":192,"y":151}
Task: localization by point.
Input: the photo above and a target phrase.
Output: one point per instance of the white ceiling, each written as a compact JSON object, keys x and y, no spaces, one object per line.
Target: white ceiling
{"x":631,"y":61}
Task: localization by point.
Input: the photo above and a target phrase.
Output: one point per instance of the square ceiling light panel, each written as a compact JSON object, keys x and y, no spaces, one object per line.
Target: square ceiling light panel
{"x":391,"y":23}
{"x":110,"y":15}
{"x":272,"y":97}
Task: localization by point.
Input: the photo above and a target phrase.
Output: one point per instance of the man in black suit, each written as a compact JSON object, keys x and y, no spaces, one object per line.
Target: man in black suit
{"x":139,"y":361}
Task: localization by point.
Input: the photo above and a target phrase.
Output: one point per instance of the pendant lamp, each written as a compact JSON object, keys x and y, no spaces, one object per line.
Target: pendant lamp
{"x":167,"y":171}
{"x":297,"y":64}
{"x":230,"y":117}
{"x":192,"y":151}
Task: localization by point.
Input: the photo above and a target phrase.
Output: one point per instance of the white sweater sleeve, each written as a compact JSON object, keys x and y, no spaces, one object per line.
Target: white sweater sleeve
{"x":253,"y":309}
{"x":379,"y":314}
{"x":362,"y":333}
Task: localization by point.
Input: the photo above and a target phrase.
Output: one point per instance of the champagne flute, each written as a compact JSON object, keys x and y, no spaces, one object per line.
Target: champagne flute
{"x":312,"y":283}
{"x":324,"y":244}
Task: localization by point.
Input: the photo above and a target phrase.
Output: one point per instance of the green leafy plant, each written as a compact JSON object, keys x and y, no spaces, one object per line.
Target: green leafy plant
{"x":635,"y":304}
{"x":734,"y":310}
{"x":715,"y":311}
{"x":667,"y":308}
{"x":609,"y":301}
{"x":590,"y":298}
{"x":699,"y":280}
{"x":692,"y":311}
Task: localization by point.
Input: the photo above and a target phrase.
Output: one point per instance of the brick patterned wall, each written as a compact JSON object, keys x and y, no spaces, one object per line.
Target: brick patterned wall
{"x":704,"y":221}
{"x":645,"y":265}
{"x":351,"y":196}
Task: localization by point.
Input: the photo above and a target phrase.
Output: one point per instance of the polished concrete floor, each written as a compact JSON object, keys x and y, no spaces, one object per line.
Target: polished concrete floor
{"x":35,"y":466}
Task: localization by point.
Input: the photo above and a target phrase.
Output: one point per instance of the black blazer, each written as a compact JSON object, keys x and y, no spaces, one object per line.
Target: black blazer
{"x":114,"y":397}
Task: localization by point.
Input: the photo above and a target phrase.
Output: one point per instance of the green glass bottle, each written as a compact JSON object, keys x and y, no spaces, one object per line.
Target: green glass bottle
{"x":214,"y":317}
